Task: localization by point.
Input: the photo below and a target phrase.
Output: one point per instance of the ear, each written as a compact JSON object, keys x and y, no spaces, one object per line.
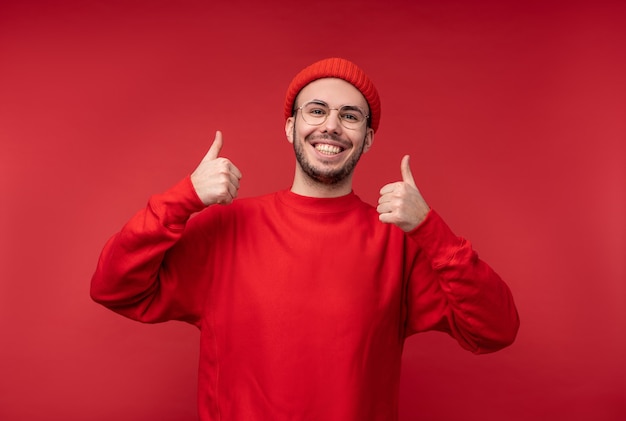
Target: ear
{"x":369,"y":139}
{"x":289,"y":129}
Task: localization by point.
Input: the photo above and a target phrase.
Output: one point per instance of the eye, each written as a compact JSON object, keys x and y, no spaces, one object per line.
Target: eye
{"x":351,"y":114}
{"x":315,"y":110}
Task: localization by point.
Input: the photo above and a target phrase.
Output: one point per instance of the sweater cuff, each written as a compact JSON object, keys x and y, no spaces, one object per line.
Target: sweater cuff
{"x":176,"y":205}
{"x":436,"y":239}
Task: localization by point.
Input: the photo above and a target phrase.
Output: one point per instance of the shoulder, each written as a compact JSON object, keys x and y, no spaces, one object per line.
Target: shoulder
{"x":240,"y":206}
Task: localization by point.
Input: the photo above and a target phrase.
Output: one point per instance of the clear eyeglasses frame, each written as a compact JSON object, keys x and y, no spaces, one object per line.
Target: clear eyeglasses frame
{"x":316,"y":112}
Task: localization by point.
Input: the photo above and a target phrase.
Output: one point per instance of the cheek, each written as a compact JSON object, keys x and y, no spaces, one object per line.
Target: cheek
{"x":360,"y":142}
{"x":368,"y":139}
{"x":366,"y":145}
{"x":301,"y":132}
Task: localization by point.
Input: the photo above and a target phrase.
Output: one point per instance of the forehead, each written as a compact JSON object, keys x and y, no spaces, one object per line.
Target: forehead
{"x":332,"y":91}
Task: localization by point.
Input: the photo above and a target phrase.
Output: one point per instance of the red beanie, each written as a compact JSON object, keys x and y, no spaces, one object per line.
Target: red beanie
{"x":337,"y":68}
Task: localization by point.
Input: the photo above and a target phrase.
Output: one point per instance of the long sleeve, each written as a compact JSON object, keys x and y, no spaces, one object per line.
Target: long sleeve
{"x":136,"y":274}
{"x":450,"y":289}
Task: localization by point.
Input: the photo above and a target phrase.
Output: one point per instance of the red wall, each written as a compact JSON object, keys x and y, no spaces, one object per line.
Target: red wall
{"x":514,"y":116}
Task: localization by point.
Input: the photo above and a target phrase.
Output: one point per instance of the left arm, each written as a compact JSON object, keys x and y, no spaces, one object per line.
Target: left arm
{"x":449,"y":288}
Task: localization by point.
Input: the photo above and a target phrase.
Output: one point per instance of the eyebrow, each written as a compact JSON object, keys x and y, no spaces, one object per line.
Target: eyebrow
{"x":353,"y":108}
{"x":347,"y":107}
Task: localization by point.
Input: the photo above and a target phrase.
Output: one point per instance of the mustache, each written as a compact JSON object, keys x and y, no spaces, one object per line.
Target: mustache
{"x":325,"y":136}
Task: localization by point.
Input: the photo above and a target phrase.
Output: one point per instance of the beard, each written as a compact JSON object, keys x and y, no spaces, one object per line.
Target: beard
{"x":328,"y":177}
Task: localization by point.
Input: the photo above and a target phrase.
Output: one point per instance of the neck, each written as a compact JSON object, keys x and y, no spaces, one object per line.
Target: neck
{"x":304,"y":185}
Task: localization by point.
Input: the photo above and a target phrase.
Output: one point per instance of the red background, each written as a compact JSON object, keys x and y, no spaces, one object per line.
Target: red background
{"x":514,"y":114}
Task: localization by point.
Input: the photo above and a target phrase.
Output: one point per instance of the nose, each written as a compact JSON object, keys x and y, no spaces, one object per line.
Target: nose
{"x":332,"y":123}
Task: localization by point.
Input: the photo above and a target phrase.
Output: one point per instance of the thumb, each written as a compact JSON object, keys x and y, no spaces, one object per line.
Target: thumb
{"x":407,"y":176}
{"x":216,"y":146}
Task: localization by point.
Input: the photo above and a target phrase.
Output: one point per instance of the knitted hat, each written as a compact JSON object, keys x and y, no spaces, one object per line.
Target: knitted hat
{"x":335,"y":68}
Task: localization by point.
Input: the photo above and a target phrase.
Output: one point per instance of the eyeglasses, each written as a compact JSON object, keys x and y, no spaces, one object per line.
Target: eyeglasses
{"x":316,"y":112}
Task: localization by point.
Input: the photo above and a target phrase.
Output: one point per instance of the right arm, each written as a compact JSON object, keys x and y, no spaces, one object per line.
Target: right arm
{"x":150,"y":270}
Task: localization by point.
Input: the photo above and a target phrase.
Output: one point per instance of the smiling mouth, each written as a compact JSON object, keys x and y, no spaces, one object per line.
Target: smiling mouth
{"x":326,"y":149}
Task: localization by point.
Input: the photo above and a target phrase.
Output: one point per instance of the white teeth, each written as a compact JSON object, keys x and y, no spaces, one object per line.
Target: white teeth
{"x":327,"y":149}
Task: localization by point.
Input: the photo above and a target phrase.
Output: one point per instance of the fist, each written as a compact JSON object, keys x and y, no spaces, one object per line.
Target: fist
{"x":401,"y":203}
{"x":216,"y":180}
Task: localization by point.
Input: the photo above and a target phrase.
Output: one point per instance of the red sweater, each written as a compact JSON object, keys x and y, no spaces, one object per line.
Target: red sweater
{"x":303,"y":303}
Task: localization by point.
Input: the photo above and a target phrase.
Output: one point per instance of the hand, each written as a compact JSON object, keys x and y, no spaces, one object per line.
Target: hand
{"x":401,"y":203}
{"x":216,"y":180}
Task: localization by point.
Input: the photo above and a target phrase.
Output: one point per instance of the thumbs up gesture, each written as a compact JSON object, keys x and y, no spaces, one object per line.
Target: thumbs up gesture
{"x":401,"y":203}
{"x":216,"y":180}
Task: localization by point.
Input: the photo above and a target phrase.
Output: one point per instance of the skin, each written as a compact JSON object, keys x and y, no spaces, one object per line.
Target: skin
{"x":216,"y":179}
{"x":317,"y":174}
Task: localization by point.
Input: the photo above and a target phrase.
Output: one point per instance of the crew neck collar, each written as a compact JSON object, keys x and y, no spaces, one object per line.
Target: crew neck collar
{"x":319,"y":204}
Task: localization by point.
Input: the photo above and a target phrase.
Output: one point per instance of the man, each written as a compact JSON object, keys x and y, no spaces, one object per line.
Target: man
{"x":304,"y":297}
